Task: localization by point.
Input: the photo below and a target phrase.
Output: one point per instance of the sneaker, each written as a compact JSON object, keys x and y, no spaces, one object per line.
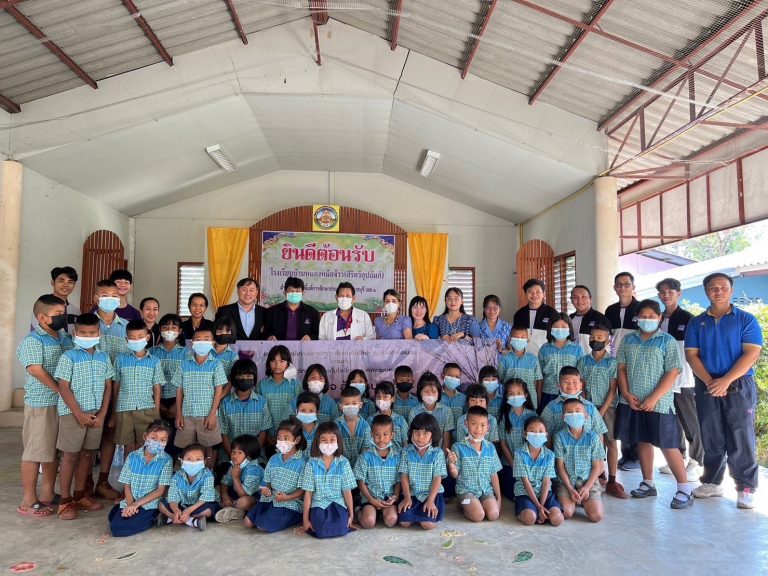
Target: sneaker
{"x":228,"y":514}
{"x":681,"y":501}
{"x":616,"y":490}
{"x":644,"y":490}
{"x":665,"y":469}
{"x":200,"y":523}
{"x":746,"y":499}
{"x":630,"y":465}
{"x":105,"y":491}
{"x":708,"y":491}
{"x":693,"y":470}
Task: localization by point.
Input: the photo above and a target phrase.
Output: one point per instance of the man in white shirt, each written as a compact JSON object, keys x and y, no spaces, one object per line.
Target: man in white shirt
{"x":346,"y":322}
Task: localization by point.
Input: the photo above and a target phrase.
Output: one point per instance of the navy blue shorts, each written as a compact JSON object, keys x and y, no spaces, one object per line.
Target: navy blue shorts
{"x":507,"y":482}
{"x":525,"y":503}
{"x":650,"y":427}
{"x":449,"y":487}
{"x":143,"y":520}
{"x":266,"y":516}
{"x":330,"y":522}
{"x":416,"y":512}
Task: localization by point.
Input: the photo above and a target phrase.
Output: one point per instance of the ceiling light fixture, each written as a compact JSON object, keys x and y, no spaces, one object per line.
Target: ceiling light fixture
{"x":430,"y":161}
{"x":221,"y":158}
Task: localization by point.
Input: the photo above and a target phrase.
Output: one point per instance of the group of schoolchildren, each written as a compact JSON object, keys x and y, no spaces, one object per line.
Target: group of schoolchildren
{"x":534,"y":430}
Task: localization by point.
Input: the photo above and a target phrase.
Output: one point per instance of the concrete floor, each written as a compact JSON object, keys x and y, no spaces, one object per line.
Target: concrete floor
{"x":636,"y":537}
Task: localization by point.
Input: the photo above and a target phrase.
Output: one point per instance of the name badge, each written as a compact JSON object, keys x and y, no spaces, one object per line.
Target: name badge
{"x":681,"y":327}
{"x":307,"y":321}
{"x":545,"y":320}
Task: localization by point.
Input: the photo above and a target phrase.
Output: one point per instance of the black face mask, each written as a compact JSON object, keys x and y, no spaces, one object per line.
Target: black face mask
{"x":224,"y":339}
{"x":404,"y":387}
{"x":597,"y":346}
{"x":243,"y":384}
{"x":58,"y":322}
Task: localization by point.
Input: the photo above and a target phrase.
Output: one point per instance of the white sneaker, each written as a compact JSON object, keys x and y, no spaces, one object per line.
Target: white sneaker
{"x":708,"y":491}
{"x":693,"y":471}
{"x":665,"y":469}
{"x":746,"y":498}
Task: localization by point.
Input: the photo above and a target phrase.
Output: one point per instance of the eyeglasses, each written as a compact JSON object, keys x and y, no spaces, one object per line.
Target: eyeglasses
{"x":623,"y":285}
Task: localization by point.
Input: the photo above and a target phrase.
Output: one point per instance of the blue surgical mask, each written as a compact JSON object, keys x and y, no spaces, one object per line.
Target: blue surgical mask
{"x":306,"y":418}
{"x":192,"y":468}
{"x":293,"y":297}
{"x":491,"y":386}
{"x":518,"y":343}
{"x":515,"y":401}
{"x":647,"y":324}
{"x":574,"y":420}
{"x":570,"y":396}
{"x":451,"y":382}
{"x":560,"y":333}
{"x":137,"y":345}
{"x":536,"y":439}
{"x":202,"y":347}
{"x":360,"y":386}
{"x":86,"y":342}
{"x":154,"y":447}
{"x":109,"y":303}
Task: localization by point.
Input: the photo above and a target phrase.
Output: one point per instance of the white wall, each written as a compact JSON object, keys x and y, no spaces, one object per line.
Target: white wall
{"x":176,"y":233}
{"x":55,"y":221}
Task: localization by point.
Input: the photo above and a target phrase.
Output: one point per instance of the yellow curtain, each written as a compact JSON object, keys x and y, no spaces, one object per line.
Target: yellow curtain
{"x":428,"y":257}
{"x":226,"y":247}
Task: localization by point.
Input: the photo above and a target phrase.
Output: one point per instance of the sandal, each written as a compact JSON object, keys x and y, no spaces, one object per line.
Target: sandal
{"x":681,"y":501}
{"x":37,"y":510}
{"x":644,"y":490}
{"x":87,"y":504}
{"x":67,"y":511}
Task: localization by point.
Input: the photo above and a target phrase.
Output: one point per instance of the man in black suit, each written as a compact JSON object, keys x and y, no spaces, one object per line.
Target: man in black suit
{"x":245,"y":313}
{"x":292,"y":319}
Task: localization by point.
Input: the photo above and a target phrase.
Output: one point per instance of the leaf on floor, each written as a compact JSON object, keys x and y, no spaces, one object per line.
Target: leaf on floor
{"x":126,"y":556}
{"x":523,"y":556}
{"x":397,"y":560}
{"x":447,"y":544}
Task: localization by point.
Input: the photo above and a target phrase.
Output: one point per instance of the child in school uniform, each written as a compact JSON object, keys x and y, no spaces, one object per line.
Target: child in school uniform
{"x":199,"y":383}
{"x":488,"y":378}
{"x":277,"y":389}
{"x":355,"y":430}
{"x":405,"y":400}
{"x":239,"y":489}
{"x":192,"y":498}
{"x":146,"y":474}
{"x":327,"y":482}
{"x":422,"y":469}
{"x":534,"y":468}
{"x":474,"y":463}
{"x":579,"y":458}
{"x":517,"y":362}
{"x":316,"y":381}
{"x":451,"y":397}
{"x":516,"y":411}
{"x":39,"y":353}
{"x":377,"y":475}
{"x":600,"y":371}
{"x":476,"y":396}
{"x":429,"y":395}
{"x":224,"y":335}
{"x":85,"y":377}
{"x":171,"y":352}
{"x":649,"y":361}
{"x":282,"y":499}
{"x":358,"y":379}
{"x":385,"y":395}
{"x":307,"y":407}
{"x":559,"y":351}
{"x":571,"y":386}
{"x":136,"y":388}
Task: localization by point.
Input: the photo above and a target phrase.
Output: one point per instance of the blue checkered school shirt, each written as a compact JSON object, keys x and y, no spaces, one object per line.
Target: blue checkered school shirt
{"x":328,"y":486}
{"x":421,"y":470}
{"x":578,"y":454}
{"x":251,"y":477}
{"x":38,"y":348}
{"x":514,"y":438}
{"x":379,"y":474}
{"x":284,"y":476}
{"x":400,"y":432}
{"x":187,"y":493}
{"x":86,"y":374}
{"x":442,"y":414}
{"x":553,"y":417}
{"x":598,"y":376}
{"x":113,"y":337}
{"x":137,"y":378}
{"x":457,"y":403}
{"x":535,"y":470}
{"x":278,"y":397}
{"x":527,"y":368}
{"x":475,"y":468}
{"x":552,"y":359}
{"x":227,"y":357}
{"x":353,"y":445}
{"x":170,"y":361}
{"x":403,"y":407}
{"x":198,"y":383}
{"x":145,"y":477}
{"x":238,"y":417}
{"x":461,"y":431}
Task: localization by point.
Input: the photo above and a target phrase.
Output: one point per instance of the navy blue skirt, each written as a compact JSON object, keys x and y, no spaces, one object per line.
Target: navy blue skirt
{"x":330,"y":522}
{"x":416,"y":512}
{"x":266,"y":516}
{"x":449,"y":487}
{"x":507,"y":482}
{"x":650,"y":427}
{"x":143,"y":520}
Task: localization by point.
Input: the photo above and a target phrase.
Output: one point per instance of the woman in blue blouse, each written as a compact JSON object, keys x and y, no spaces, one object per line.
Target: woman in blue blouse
{"x":492,"y":327}
{"x":391,"y":325}
{"x":454,"y":323}
{"x":422,"y":328}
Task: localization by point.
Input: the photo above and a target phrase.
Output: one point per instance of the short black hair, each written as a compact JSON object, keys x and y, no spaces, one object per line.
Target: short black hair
{"x":191,"y":448}
{"x":201,"y":329}
{"x":535,"y":420}
{"x":135,"y":325}
{"x":519,"y":328}
{"x":293,"y":426}
{"x":121,"y":274}
{"x":148,"y":299}
{"x":158,"y":425}
{"x":569,"y":371}
{"x":652,"y":304}
{"x":350,"y":392}
{"x":246,"y":281}
{"x":382,"y":420}
{"x":67,"y":271}
{"x":487,"y":371}
{"x":170,"y":320}
{"x":600,"y":326}
{"x":506,"y":408}
{"x":293,"y":282}
{"x":352,"y":375}
{"x":531,"y":282}
{"x":627,"y":274}
{"x":428,"y":379}
{"x":105,"y":283}
{"x":477,"y":411}
{"x":249,"y":444}
{"x":426,"y":422}
{"x":343,"y":285}
{"x":320,"y":369}
{"x":589,"y":292}
{"x":87,"y":319}
{"x":46,"y":302}
{"x":403,"y":370}
{"x":571,"y":402}
{"x":307,"y":397}
{"x":224,"y":322}
{"x":327,"y":428}
{"x":385,"y":387}
{"x":197,"y":295}
{"x":556,"y":318}
{"x":243,"y":367}
{"x":451,"y":366}
{"x":672,"y":283}
{"x":476,"y":391}
{"x":714,"y":275}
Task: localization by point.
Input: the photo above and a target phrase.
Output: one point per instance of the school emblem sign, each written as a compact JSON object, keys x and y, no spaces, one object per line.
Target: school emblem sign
{"x":325,"y":218}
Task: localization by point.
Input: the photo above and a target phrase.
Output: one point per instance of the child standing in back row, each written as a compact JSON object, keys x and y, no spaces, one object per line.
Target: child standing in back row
{"x":559,"y":351}
{"x":277,"y":389}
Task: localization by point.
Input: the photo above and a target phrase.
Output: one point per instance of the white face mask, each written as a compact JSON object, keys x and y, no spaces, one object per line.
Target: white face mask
{"x":422,"y":446}
{"x":429,"y":400}
{"x":284,"y":446}
{"x":290,"y":372}
{"x":344,"y":303}
{"x":391,"y":307}
{"x":328,"y":449}
{"x":316,"y":386}
{"x":169,"y":336}
{"x":383,"y":405}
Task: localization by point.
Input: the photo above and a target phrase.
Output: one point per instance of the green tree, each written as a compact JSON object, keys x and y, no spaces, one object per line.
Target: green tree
{"x":711,"y":245}
{"x":761,"y":376}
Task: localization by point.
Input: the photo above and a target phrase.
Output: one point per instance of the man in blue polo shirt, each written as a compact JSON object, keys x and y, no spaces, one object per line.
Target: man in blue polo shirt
{"x":722,"y":346}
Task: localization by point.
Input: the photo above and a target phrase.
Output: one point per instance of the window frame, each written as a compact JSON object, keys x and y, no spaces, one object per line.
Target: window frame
{"x":473,"y":270}
{"x":559,"y":273}
{"x":179,"y":266}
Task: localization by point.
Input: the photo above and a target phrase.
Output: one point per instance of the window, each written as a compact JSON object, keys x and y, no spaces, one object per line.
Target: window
{"x":463,"y":278}
{"x":190,"y":278}
{"x":565,"y":280}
